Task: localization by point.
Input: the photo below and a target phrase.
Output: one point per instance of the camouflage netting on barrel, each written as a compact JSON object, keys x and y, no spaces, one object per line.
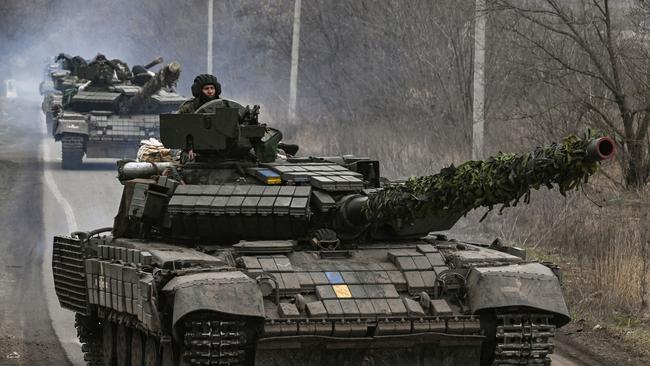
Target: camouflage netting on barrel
{"x":503,"y":179}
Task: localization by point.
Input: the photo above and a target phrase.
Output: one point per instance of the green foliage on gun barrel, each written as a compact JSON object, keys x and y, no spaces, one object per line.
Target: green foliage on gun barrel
{"x":499,"y":180}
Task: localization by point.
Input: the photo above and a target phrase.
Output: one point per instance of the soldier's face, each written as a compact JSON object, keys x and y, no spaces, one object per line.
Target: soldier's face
{"x":209,"y":91}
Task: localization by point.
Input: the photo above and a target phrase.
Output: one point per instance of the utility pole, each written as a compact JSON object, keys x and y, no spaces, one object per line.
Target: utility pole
{"x":210,"y":32}
{"x":293,"y":80}
{"x":478,"y":99}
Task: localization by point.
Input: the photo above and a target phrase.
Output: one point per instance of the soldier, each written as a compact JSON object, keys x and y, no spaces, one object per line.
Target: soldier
{"x":78,"y":64}
{"x":121,"y":69}
{"x":100,"y":71}
{"x":204,"y":89}
{"x":65,"y":61}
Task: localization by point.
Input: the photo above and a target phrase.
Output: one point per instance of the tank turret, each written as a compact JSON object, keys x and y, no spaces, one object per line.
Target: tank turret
{"x":239,"y":252}
{"x":360,"y":208}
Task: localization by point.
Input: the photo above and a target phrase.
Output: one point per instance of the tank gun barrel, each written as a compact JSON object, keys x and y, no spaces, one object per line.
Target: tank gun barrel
{"x":499,"y":180}
{"x":599,"y":149}
{"x":165,"y":77}
{"x":158,"y":60}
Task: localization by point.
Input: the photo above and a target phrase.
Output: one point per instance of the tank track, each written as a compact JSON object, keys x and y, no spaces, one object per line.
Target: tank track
{"x":90,"y":337}
{"x":524,"y":339}
{"x":72,"y":151}
{"x":212,"y":342}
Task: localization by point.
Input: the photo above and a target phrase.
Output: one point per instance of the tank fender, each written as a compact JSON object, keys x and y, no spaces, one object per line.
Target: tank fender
{"x":531,"y":285}
{"x":232,"y":293}
{"x":79,"y":127}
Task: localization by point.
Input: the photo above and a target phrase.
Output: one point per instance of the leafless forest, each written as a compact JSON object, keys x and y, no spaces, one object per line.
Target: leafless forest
{"x":393,"y":79}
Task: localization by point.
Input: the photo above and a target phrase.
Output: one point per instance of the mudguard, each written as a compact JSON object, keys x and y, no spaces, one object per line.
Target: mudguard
{"x":530,"y":285}
{"x":75,"y":126}
{"x":231,"y":293}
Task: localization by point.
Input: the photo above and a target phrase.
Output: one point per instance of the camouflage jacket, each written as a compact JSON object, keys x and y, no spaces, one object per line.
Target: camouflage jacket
{"x":190,"y":106}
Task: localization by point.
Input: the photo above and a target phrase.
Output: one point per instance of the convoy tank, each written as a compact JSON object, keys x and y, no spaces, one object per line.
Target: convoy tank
{"x":109,"y":109}
{"x":240,"y":253}
{"x":47,"y":86}
{"x":51,"y":86}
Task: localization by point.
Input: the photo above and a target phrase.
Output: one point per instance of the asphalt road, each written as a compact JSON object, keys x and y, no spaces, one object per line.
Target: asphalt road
{"x":40,"y":200}
{"x":37,"y":201}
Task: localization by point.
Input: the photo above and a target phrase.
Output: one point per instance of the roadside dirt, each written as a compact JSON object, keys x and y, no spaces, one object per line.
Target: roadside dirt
{"x":609,"y":347}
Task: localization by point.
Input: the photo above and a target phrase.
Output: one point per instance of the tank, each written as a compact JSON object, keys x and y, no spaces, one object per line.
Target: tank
{"x":47,"y":85}
{"x":240,"y":252}
{"x":106,"y":109}
{"x":47,"y":88}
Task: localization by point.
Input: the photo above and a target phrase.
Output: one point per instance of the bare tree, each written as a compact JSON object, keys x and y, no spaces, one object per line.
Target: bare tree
{"x":368,"y":67}
{"x":594,"y":61}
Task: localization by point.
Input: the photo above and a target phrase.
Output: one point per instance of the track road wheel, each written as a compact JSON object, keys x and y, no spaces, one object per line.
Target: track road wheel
{"x":89,"y":331}
{"x":137,"y":348}
{"x":123,"y":346}
{"x":151,"y":354}
{"x":213,"y":342}
{"x":108,"y":341}
{"x":517,"y":337}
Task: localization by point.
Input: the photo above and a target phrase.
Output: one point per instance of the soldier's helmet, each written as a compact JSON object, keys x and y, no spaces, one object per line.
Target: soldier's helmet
{"x":100,"y":58}
{"x":202,"y":80}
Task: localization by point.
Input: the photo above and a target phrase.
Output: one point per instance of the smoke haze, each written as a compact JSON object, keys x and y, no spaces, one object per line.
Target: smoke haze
{"x":389,"y":79}
{"x":366,"y":68}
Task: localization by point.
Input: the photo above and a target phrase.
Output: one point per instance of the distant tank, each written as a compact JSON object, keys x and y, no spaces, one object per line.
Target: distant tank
{"x":106,"y":109}
{"x":47,"y":85}
{"x":46,"y":88}
{"x":241,"y":253}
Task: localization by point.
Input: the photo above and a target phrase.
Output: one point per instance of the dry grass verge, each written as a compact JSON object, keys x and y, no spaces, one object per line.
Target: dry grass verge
{"x":600,"y":250}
